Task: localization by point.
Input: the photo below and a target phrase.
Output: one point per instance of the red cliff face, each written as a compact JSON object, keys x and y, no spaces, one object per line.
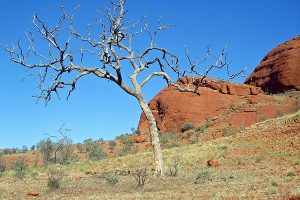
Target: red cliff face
{"x":279,"y":70}
{"x":218,"y":105}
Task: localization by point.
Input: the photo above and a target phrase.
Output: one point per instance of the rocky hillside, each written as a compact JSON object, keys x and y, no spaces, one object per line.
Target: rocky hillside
{"x":238,"y":105}
{"x":279,"y":69}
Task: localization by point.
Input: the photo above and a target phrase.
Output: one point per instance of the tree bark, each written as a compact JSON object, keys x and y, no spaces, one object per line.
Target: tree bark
{"x":159,"y":171}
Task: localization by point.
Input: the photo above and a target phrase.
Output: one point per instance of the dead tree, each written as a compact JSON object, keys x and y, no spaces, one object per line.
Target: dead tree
{"x":63,"y":64}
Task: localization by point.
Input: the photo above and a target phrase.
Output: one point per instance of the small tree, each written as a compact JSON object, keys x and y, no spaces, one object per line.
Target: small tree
{"x":118,"y":59}
{"x":56,"y":152}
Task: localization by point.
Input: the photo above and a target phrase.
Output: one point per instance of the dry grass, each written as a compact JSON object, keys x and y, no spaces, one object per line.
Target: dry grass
{"x":262,"y":162}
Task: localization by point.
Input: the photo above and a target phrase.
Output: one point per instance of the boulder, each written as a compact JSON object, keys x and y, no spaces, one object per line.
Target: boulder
{"x":35,"y":194}
{"x":213,"y":162}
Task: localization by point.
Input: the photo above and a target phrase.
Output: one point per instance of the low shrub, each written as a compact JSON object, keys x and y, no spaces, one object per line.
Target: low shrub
{"x":262,"y":118}
{"x":203,"y":177}
{"x":229,"y":130}
{"x":291,"y":173}
{"x":111,"y":179}
{"x":20,"y":166}
{"x":112,"y":145}
{"x":187,"y":126}
{"x":127,"y":140}
{"x":55,"y":177}
{"x":201,"y":128}
{"x":174,"y":168}
{"x":97,"y":153}
{"x":141,"y":176}
{"x":124,"y":151}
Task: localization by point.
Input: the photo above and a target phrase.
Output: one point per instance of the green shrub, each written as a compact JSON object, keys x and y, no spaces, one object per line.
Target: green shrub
{"x":97,"y":153}
{"x":262,"y":118}
{"x":55,"y":177}
{"x":127,"y":140}
{"x":111,"y":179}
{"x":141,"y":176}
{"x":187,"y":126}
{"x":203,"y":177}
{"x":20,"y":167}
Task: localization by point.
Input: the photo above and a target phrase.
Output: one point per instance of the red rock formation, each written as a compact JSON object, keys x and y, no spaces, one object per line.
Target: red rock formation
{"x":219,"y":105}
{"x":279,"y":70}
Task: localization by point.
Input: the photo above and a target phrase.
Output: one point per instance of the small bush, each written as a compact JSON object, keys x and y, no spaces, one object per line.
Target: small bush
{"x":229,"y":130}
{"x":291,"y":173}
{"x":187,"y":126}
{"x":262,"y":118}
{"x":2,"y":165}
{"x":124,"y":151}
{"x":127,"y":140}
{"x":97,"y":153}
{"x":240,"y":162}
{"x":55,"y":177}
{"x":274,"y":183}
{"x":201,"y":128}
{"x":258,"y":159}
{"x":203,"y":177}
{"x":174,"y":168}
{"x":111,"y":179}
{"x":141,"y":176}
{"x":112,"y":145}
{"x":66,"y":155}
{"x":20,"y":166}
{"x":171,"y":145}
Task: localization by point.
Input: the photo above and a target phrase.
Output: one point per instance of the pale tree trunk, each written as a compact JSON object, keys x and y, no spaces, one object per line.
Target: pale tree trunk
{"x":159,"y":171}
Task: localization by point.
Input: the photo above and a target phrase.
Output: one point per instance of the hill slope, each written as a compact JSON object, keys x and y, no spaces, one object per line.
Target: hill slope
{"x":261,"y":162}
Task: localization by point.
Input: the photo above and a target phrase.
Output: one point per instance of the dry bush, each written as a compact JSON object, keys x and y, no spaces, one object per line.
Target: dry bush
{"x":141,"y":176}
{"x":55,"y":177}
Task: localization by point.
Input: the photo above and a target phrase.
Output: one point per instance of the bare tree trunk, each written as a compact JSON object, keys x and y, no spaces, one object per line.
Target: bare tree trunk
{"x":159,"y":171}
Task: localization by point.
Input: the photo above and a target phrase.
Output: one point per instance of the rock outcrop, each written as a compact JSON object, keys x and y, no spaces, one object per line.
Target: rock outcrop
{"x":220,"y":104}
{"x":279,"y":69}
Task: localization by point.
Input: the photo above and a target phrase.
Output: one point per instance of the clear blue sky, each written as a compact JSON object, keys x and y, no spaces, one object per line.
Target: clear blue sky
{"x":101,"y":110}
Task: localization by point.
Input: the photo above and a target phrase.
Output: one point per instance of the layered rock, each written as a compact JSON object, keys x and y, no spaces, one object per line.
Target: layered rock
{"x":279,"y":69}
